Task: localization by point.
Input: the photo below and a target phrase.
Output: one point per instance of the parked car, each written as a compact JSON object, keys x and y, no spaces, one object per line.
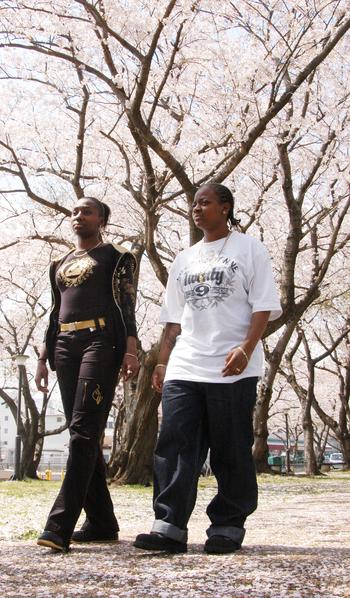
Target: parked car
{"x":336,"y":459}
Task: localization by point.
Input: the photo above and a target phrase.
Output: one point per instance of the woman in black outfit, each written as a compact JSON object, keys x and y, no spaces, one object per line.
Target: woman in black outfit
{"x":90,"y":337}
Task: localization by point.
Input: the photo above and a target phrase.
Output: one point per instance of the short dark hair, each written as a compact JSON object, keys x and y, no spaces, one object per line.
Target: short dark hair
{"x":103,"y":210}
{"x":225,"y":196}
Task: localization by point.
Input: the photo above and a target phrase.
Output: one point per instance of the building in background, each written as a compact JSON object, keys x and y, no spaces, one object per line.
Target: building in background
{"x":55,"y":450}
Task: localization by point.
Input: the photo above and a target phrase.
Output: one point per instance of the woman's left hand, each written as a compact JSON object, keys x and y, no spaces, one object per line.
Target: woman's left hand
{"x":235,"y":363}
{"x":130,"y":366}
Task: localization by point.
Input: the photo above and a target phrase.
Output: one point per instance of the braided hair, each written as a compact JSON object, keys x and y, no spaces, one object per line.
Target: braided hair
{"x":224,"y":195}
{"x":103,"y":210}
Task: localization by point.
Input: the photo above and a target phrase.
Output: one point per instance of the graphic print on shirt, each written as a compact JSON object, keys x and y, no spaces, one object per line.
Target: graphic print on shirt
{"x":206,"y":285}
{"x":74,"y":272}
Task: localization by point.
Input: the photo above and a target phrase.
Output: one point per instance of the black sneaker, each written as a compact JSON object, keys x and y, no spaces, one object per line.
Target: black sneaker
{"x":159,"y":542}
{"x":52,"y":540}
{"x":220,"y":545}
{"x":91,"y":535}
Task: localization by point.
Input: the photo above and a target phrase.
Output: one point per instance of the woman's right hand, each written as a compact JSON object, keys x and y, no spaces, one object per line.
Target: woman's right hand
{"x":42,"y":377}
{"x":158,"y":377}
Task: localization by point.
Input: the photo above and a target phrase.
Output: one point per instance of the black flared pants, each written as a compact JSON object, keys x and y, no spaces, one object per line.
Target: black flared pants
{"x":87,"y":366}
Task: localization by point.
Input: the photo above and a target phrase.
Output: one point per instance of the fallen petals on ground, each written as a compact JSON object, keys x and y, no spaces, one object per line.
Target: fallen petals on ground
{"x":297,"y":546}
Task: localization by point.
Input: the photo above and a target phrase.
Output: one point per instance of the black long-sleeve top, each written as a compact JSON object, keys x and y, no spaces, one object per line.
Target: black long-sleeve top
{"x":98,"y":283}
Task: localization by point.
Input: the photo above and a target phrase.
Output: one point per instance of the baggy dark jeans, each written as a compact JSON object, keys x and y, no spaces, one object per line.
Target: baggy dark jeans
{"x":87,"y":366}
{"x":198,"y":416}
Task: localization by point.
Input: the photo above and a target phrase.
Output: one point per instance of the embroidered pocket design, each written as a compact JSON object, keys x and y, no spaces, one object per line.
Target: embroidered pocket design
{"x":97,"y":395}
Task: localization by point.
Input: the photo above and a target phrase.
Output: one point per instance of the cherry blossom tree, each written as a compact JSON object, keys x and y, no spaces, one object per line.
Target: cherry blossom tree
{"x":21,"y":313}
{"x":141,"y":103}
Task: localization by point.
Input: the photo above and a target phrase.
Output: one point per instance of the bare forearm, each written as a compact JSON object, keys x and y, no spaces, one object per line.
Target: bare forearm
{"x":256,"y":330}
{"x":130,"y":366}
{"x":238,"y":358}
{"x":42,"y":374}
{"x":131,"y":345}
{"x":170,"y":333}
{"x":43,"y":353}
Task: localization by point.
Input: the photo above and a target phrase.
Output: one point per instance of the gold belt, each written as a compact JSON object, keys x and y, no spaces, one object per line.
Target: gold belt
{"x":93,"y":324}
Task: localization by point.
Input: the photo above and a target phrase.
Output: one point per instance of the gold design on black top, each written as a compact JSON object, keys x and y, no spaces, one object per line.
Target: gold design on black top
{"x":73,"y":273}
{"x":124,"y":293}
{"x":97,"y":395}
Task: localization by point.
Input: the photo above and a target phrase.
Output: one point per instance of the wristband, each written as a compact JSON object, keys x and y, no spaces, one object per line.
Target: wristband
{"x":41,"y":359}
{"x":160,"y":365}
{"x":131,"y":354}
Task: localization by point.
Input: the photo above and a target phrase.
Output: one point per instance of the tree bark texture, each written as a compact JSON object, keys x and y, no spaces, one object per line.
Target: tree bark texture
{"x":132,"y":462}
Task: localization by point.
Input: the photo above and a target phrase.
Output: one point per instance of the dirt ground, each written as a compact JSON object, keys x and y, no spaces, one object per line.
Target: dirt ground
{"x":297,"y":545}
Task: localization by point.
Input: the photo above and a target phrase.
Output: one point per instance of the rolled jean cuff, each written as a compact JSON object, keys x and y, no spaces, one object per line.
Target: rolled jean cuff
{"x":170,"y":531}
{"x":234,"y":533}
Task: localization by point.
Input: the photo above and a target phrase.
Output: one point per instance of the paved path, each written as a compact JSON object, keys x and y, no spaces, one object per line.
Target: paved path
{"x":297,"y":546}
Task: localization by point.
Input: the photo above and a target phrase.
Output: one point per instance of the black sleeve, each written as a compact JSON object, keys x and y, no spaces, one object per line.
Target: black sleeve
{"x":55,"y":301}
{"x":127,"y":293}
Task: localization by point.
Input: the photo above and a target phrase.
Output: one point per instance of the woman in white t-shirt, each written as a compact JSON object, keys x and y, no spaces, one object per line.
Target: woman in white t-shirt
{"x":219,"y":298}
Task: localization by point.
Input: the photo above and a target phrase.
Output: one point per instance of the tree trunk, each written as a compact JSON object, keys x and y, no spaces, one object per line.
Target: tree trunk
{"x":132,"y":462}
{"x":30,"y":471}
{"x":38,"y":452}
{"x":311,"y":466}
{"x":345,"y":446}
{"x":261,"y":415}
{"x":28,"y":463}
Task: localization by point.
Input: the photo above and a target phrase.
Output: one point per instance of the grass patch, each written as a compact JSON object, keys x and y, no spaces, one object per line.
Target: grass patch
{"x":293,"y":484}
{"x":267,"y":479}
{"x":132,"y":488}
{"x":27,"y":487}
{"x":207,"y":482}
{"x":29,"y":534}
{"x":34,"y":488}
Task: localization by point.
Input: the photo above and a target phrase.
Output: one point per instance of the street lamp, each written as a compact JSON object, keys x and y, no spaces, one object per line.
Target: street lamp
{"x":20,"y":362}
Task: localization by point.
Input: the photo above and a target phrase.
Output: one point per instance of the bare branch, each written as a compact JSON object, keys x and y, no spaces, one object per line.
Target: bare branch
{"x":237,"y":156}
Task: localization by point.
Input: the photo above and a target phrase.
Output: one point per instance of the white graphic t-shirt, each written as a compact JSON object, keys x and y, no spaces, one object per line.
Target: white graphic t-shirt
{"x":213,"y":289}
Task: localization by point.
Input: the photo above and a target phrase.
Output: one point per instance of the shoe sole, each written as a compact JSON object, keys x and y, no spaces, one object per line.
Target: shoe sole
{"x":144,"y":546}
{"x":94,"y":541}
{"x":51,"y":544}
{"x":221,"y":550}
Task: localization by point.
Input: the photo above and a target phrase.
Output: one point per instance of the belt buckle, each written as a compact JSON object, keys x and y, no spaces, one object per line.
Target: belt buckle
{"x":72,"y":326}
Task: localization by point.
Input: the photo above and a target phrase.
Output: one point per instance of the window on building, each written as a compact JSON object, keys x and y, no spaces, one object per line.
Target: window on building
{"x":59,"y":420}
{"x":6,"y":431}
{"x":6,"y":418}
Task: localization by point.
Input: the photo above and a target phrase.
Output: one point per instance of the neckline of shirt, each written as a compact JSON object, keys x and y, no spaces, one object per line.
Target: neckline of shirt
{"x":218,"y":242}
